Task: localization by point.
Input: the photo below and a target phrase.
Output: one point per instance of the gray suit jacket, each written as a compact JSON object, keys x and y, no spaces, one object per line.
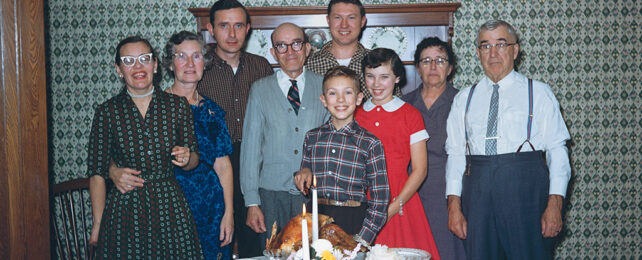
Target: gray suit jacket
{"x":273,"y":135}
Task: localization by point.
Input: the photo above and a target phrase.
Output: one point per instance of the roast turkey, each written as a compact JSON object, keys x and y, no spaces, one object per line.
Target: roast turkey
{"x":289,"y":239}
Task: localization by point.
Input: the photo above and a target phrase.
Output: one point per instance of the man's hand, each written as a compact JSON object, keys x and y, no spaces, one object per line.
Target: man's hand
{"x":456,"y":221}
{"x":552,"y":217}
{"x":303,"y":180}
{"x":255,"y":219}
{"x":125,"y":179}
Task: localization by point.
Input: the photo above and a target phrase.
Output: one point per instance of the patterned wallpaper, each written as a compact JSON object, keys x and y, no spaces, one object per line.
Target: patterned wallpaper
{"x":588,"y":51}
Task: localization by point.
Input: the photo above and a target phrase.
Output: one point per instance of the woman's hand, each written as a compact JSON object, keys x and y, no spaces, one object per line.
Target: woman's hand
{"x":227,"y":229}
{"x":125,"y":179}
{"x":181,"y":156}
{"x":393,"y":209}
{"x":95,"y":230}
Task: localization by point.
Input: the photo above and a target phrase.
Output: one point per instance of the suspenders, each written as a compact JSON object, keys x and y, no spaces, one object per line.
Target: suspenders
{"x":528,"y":126}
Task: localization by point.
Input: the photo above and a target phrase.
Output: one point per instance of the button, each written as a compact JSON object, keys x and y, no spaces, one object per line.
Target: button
{"x":330,"y":172}
{"x":149,"y":152}
{"x":334,"y":151}
{"x":289,"y":109}
{"x":303,"y":108}
{"x":327,"y":195}
{"x":238,"y":120}
{"x":378,"y":109}
{"x":296,"y":151}
{"x":236,"y":99}
{"x":376,"y":123}
{"x":296,"y":129}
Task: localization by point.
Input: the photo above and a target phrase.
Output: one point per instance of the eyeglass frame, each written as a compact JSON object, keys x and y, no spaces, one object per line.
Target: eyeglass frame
{"x":287,"y":46}
{"x":502,"y":46}
{"x":175,"y":55}
{"x":151,"y":57}
{"x":425,"y":62}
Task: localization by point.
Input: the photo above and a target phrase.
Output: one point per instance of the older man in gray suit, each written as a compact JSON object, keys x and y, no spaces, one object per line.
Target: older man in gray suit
{"x":280,"y":110}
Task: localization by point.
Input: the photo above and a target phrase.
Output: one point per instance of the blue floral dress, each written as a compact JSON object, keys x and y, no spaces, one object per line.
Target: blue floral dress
{"x":201,"y":185}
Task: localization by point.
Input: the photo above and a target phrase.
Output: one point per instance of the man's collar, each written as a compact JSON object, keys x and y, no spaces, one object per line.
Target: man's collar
{"x":391,"y":106}
{"x":325,"y":50}
{"x":217,"y":60}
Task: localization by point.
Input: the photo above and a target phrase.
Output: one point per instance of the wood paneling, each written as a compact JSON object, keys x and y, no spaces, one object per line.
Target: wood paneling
{"x":24,"y":192}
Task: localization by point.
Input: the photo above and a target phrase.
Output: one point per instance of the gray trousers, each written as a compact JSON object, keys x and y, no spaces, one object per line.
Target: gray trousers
{"x":279,"y":206}
{"x":503,"y":200}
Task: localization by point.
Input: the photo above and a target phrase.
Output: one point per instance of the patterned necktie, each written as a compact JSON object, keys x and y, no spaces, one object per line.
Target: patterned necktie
{"x":293,"y":97}
{"x":491,"y":129}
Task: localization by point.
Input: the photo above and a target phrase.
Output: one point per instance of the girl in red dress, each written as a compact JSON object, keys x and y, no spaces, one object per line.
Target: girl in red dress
{"x":401,"y":130}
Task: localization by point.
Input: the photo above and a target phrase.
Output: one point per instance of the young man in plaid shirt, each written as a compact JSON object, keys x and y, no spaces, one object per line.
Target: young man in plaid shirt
{"x":347,"y":161}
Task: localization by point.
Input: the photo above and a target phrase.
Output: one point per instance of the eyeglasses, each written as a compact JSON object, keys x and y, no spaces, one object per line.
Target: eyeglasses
{"x":439,"y":61}
{"x":283,"y":47}
{"x":485,"y":48}
{"x":144,"y":59}
{"x":182,"y":57}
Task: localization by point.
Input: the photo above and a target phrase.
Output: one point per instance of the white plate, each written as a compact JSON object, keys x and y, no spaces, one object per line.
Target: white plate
{"x":257,"y":43}
{"x":389,"y":37}
{"x":412,"y":254}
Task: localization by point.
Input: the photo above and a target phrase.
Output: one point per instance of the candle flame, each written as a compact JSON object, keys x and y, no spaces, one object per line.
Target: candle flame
{"x":314,"y":181}
{"x":304,"y":209}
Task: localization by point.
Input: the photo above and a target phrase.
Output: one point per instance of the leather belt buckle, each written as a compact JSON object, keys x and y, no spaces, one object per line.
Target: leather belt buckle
{"x":347,"y":203}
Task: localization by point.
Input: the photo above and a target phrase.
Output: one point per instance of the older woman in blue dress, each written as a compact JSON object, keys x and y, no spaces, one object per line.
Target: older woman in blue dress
{"x":208,"y":187}
{"x":435,"y":62}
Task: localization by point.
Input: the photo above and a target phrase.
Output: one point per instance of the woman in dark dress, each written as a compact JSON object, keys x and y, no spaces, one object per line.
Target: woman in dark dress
{"x":435,"y":63}
{"x":150,"y":131}
{"x":208,"y":187}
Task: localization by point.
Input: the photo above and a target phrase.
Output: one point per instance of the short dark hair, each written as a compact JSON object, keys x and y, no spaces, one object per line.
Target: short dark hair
{"x":225,"y":5}
{"x":436,"y":42}
{"x":362,"y":10}
{"x":177,"y":39}
{"x":135,"y":39}
{"x":379,"y":56}
{"x":342,"y":71}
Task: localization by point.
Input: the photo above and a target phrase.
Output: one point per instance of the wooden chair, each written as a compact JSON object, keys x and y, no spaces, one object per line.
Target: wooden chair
{"x":70,"y":212}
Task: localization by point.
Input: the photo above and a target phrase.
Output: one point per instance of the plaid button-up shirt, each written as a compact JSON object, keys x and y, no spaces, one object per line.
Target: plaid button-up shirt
{"x":323,"y":60}
{"x":347,"y":163}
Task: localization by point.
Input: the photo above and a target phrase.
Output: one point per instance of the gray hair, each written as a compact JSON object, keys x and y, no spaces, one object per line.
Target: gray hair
{"x":177,"y":39}
{"x":494,"y":24}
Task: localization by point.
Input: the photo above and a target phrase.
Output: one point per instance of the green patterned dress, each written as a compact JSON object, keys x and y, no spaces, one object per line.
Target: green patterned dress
{"x":154,"y":221}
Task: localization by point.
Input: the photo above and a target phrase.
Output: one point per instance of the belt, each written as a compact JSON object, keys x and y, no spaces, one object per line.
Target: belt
{"x":347,"y":203}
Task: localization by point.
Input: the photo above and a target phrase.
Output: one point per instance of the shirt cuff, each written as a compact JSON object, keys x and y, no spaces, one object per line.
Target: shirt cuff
{"x":252,"y":205}
{"x":557,"y":186}
{"x":252,"y":198}
{"x":419,"y":136}
{"x":453,"y":187}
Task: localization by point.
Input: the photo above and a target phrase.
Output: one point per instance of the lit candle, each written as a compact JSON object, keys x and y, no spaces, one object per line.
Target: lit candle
{"x":304,"y":237}
{"x":315,"y":211}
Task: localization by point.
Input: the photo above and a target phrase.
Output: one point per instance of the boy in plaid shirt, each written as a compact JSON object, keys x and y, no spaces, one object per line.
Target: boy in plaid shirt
{"x":347,"y":161}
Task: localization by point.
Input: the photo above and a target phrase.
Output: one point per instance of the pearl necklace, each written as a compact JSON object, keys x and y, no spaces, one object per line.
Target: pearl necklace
{"x":140,"y":96}
{"x":171,"y":91}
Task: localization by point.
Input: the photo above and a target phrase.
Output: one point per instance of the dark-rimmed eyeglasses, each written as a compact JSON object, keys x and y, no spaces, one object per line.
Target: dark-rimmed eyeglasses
{"x":144,"y":59}
{"x":485,"y":48}
{"x":439,"y":61}
{"x":283,"y":47}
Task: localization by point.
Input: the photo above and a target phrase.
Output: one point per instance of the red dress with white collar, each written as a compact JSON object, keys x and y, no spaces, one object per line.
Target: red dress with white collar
{"x":398,"y":125}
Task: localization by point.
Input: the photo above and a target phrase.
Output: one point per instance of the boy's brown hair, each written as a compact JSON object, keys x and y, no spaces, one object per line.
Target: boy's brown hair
{"x":342,"y":71}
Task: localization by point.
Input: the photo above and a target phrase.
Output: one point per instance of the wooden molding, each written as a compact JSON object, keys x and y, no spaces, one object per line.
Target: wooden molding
{"x":24,"y":181}
{"x":315,"y":16}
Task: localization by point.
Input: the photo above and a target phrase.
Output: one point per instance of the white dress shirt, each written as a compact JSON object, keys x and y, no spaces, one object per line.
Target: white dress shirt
{"x":285,"y":83}
{"x":548,"y":132}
